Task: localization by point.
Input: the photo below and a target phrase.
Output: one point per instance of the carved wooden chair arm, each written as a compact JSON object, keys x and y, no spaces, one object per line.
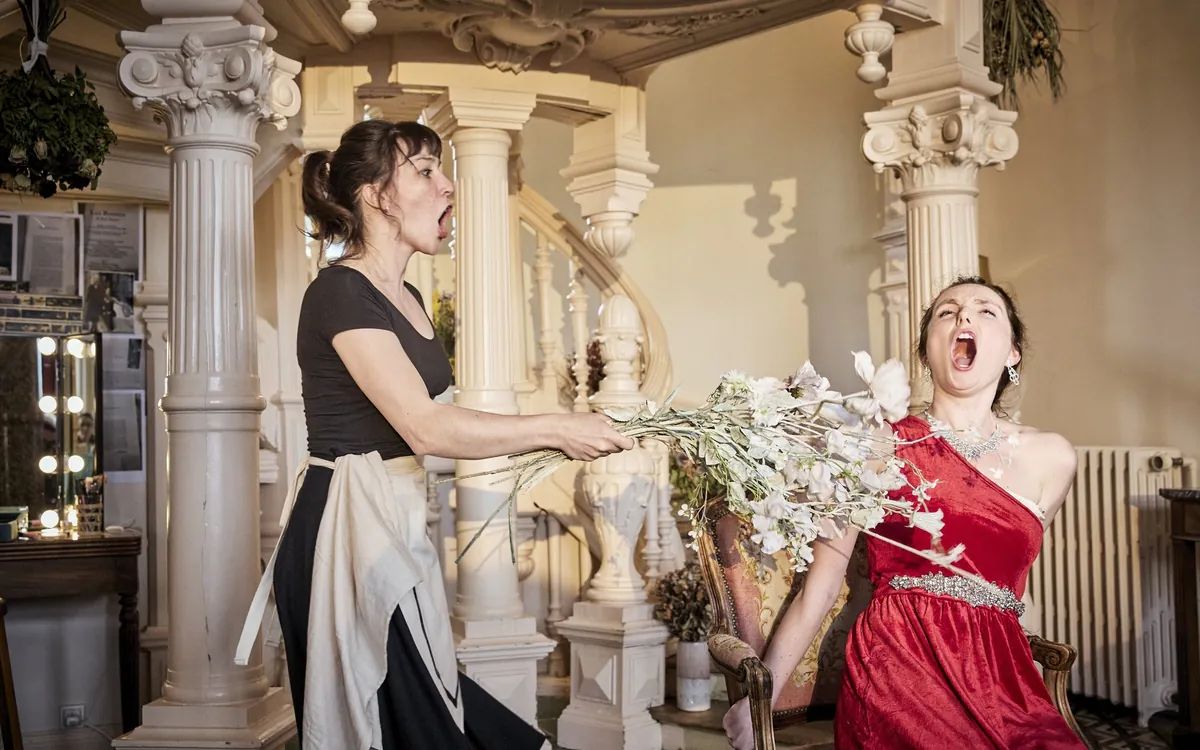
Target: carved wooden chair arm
{"x":1056,"y":659}
{"x":737,"y":658}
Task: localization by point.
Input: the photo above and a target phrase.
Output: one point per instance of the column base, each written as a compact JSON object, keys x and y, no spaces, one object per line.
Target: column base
{"x":502,"y":656}
{"x":264,"y":724}
{"x":618,"y":670}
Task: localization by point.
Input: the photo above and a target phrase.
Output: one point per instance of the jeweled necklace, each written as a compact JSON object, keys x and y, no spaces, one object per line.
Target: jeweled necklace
{"x":969,"y":451}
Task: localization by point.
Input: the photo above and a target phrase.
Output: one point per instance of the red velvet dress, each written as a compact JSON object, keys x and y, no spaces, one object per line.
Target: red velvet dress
{"x":931,"y":670}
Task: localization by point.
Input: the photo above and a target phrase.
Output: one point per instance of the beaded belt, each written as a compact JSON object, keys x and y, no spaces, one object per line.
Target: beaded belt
{"x":965,"y":589}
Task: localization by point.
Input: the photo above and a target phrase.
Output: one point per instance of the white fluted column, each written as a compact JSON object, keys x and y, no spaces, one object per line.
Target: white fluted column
{"x":212,"y":83}
{"x":497,"y":644}
{"x":938,"y":130}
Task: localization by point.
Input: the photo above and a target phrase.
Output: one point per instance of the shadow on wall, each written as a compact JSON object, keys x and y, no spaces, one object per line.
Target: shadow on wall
{"x":780,"y":113}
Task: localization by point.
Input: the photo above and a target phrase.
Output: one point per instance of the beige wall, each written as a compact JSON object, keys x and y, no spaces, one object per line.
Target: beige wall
{"x":755,"y":244}
{"x":1096,"y":227}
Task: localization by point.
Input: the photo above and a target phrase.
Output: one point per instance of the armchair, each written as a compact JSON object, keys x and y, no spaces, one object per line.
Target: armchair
{"x":749,"y":597}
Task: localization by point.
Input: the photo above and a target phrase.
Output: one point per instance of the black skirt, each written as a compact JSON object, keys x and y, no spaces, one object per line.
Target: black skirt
{"x":412,"y":713}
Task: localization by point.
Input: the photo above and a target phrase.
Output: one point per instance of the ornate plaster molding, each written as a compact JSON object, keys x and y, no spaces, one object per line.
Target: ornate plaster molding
{"x":940,"y":143}
{"x":509,"y":35}
{"x":211,"y":82}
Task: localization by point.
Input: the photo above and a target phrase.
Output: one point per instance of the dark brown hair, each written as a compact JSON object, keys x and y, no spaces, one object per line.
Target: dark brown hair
{"x":1014,"y":321}
{"x":367,"y":155}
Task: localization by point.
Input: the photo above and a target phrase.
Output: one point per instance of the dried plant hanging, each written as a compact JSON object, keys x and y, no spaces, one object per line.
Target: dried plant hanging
{"x":1022,"y":40}
{"x":54,"y":135}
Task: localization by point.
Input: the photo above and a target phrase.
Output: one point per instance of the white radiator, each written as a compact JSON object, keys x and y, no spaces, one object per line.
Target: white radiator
{"x":1103,"y":580}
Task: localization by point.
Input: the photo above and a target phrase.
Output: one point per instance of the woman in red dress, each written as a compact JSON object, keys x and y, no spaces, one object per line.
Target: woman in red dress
{"x":938,"y":660}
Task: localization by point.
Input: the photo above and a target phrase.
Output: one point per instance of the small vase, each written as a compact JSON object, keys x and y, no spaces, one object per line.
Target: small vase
{"x":693,"y":677}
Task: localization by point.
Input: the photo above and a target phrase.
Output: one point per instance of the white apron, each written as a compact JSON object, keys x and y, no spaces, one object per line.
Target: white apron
{"x":372,"y":555}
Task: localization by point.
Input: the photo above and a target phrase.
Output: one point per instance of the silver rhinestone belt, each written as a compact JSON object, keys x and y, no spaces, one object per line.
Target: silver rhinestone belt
{"x":965,"y":589}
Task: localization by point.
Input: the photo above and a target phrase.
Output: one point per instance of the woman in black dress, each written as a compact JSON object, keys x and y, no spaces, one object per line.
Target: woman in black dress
{"x":357,"y":582}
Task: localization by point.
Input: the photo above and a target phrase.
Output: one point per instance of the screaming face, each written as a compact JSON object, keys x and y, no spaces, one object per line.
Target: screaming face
{"x":422,"y":195}
{"x":970,"y":339}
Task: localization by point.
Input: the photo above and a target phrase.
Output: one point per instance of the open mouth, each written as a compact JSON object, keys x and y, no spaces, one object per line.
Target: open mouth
{"x":444,"y":223}
{"x":963,"y":350}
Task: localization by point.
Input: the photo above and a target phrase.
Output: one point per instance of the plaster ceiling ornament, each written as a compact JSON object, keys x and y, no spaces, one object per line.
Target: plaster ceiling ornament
{"x":510,"y":34}
{"x":675,"y":28}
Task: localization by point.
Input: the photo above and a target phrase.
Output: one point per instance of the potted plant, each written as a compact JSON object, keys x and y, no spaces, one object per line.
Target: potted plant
{"x":54,"y":134}
{"x":443,"y":324}
{"x":683,"y":606}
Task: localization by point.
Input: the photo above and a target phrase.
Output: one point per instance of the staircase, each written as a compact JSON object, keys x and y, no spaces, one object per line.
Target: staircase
{"x":562,"y":285}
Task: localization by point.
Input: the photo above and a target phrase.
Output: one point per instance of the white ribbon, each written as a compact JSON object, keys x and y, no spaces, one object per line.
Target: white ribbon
{"x":37,"y":47}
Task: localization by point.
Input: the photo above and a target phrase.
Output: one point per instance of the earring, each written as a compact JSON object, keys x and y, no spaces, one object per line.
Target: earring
{"x":1013,"y":375}
{"x":928,"y":374}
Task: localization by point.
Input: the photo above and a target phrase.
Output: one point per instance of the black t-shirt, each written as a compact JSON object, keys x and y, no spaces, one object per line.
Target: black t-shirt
{"x":341,"y":419}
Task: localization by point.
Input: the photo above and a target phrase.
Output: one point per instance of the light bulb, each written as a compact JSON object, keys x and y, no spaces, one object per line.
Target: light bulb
{"x":49,"y":519}
{"x":75,"y":348}
{"x":48,"y":464}
{"x":72,"y":516}
{"x":46,"y":346}
{"x":92,"y":350}
{"x":75,"y":464}
{"x":48,"y":404}
{"x":74,"y":404}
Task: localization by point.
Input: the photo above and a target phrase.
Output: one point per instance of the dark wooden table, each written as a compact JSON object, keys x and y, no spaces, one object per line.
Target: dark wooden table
{"x":84,"y":565}
{"x":1185,"y":534}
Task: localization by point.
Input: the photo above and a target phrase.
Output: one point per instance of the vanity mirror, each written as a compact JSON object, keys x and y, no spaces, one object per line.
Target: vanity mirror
{"x":50,"y":436}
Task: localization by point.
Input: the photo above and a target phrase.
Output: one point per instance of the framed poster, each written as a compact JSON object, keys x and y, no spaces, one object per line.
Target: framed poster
{"x":112,"y":238}
{"x":48,"y":250}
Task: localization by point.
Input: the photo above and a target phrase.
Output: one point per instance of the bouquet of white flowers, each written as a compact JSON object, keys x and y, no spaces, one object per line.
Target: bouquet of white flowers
{"x":798,"y":459}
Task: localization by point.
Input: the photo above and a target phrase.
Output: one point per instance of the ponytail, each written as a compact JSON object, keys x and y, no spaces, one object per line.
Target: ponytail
{"x":331,"y":221}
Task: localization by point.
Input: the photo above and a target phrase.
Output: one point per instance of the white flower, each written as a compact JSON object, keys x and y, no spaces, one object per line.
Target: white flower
{"x":877,"y":484}
{"x":929,"y":522}
{"x":770,"y":539}
{"x":887,"y":387}
{"x":867,"y":518}
{"x":864,"y":366}
{"x":820,"y":483}
{"x":891,"y":390}
{"x":954,"y":555}
{"x":813,"y":387}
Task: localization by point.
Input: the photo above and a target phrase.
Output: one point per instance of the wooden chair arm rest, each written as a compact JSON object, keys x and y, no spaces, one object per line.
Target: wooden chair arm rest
{"x":736,"y":657}
{"x":1058,"y":657}
{"x":732,"y":654}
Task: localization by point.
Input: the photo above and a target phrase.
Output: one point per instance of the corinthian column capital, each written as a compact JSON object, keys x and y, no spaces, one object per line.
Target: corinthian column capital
{"x":206,"y":81}
{"x":941,"y":142}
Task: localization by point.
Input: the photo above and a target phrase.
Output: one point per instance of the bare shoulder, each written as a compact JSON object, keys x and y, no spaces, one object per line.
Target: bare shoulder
{"x":1052,"y":458}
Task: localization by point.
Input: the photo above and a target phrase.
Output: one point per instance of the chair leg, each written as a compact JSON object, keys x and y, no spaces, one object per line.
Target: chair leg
{"x":10,"y":724}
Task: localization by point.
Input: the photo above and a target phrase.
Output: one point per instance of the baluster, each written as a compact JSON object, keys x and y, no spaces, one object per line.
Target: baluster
{"x":549,"y":319}
{"x":577,"y":300}
{"x":554,"y":580}
{"x":652,"y":551}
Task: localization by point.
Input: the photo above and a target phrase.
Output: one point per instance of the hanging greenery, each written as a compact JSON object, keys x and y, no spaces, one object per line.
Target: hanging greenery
{"x":1022,"y":40}
{"x":54,"y":134}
